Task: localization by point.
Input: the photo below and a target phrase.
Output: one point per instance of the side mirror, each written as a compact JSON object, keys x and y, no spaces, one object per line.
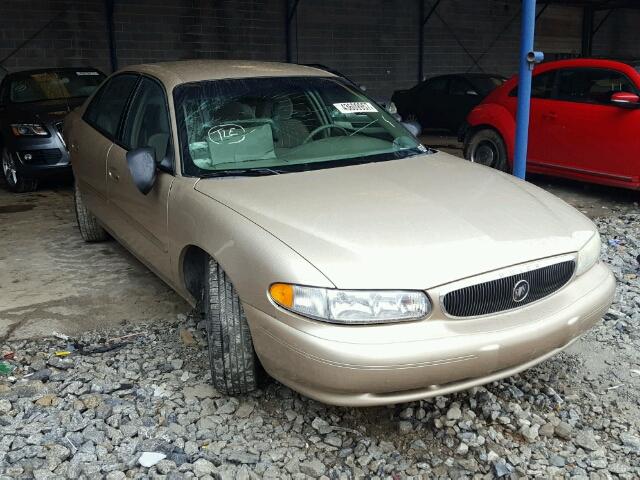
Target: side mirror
{"x":625,"y":99}
{"x":142,"y":165}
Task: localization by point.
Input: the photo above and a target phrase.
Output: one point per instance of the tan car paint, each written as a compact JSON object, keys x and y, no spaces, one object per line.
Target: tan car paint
{"x":140,"y":220}
{"x":405,"y":224}
{"x":420,"y":223}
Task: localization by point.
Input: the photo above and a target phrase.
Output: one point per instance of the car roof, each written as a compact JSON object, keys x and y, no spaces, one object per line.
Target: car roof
{"x":585,"y":62}
{"x":187,"y":71}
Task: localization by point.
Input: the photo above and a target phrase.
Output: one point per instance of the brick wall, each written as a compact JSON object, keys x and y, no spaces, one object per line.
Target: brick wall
{"x":372,"y":41}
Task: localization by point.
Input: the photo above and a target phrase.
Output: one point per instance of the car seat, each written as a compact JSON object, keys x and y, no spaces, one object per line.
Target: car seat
{"x":290,"y":132}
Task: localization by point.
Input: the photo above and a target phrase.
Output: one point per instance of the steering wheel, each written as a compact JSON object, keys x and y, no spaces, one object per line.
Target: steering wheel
{"x":322,"y":128}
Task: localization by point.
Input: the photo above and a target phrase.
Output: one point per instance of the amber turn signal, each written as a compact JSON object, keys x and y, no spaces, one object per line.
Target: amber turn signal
{"x":282,"y":294}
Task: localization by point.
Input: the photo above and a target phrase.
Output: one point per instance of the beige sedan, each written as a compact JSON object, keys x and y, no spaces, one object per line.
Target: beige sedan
{"x":322,"y":241}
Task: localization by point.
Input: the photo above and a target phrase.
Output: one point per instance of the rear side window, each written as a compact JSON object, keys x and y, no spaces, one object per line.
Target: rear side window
{"x":591,"y":85}
{"x":541,"y":86}
{"x":105,"y":110}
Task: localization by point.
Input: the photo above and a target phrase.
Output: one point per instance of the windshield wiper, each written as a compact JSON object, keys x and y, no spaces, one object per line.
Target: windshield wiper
{"x":249,"y":172}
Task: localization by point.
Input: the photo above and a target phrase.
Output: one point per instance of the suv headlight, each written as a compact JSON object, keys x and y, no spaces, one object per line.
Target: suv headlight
{"x":29,"y":130}
{"x":589,"y":254}
{"x":351,"y":306}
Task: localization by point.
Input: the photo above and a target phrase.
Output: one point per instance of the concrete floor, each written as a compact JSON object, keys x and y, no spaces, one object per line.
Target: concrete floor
{"x":50,"y":280}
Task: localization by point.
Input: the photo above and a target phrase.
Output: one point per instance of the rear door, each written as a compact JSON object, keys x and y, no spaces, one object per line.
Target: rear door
{"x":90,"y":145}
{"x":591,"y":134}
{"x":142,"y":219}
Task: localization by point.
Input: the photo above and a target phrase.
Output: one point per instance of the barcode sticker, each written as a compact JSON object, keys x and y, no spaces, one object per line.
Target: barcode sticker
{"x":355,"y":107}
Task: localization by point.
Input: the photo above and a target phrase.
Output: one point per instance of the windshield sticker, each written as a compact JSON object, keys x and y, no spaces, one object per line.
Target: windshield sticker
{"x":228,"y":133}
{"x":355,"y":107}
{"x":81,"y":74}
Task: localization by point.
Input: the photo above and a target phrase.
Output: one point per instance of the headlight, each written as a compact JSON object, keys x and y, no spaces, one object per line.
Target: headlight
{"x":351,"y":306}
{"x":29,"y":130}
{"x":589,"y":254}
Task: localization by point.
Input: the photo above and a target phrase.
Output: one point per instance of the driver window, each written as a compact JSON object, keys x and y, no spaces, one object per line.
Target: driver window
{"x":147,"y":123}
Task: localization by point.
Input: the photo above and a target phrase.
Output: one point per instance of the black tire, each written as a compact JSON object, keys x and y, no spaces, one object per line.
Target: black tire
{"x":233,"y":361}
{"x":88,"y":225}
{"x":486,"y":147}
{"x":16,"y":182}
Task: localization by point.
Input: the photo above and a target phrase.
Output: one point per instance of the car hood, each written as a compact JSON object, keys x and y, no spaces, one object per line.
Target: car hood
{"x":414,"y":223}
{"x":45,"y":111}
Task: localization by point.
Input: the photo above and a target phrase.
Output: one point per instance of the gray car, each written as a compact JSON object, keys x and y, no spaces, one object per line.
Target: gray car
{"x":33,"y":105}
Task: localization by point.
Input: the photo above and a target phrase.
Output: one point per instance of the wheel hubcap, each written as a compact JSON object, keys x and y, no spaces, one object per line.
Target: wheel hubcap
{"x":485,"y":153}
{"x":9,"y":168}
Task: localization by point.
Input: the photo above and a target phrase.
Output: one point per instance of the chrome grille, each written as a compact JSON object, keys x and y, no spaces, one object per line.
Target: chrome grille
{"x":498,"y":295}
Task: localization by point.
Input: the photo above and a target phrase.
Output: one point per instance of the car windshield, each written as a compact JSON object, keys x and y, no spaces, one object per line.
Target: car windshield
{"x":52,"y":85}
{"x":274,"y":125}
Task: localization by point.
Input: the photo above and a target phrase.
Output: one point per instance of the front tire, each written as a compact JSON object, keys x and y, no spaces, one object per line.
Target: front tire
{"x":16,"y":182}
{"x":233,"y":361}
{"x":88,"y":225}
{"x":486,"y":147}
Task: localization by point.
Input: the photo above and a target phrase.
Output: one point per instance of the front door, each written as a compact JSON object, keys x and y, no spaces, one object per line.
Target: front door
{"x":142,"y":219}
{"x":593,"y":135}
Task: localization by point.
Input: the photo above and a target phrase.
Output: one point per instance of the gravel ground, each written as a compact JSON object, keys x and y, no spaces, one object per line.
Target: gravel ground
{"x":95,"y":414}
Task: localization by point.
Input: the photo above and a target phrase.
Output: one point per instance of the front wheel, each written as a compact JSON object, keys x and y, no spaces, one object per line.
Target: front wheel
{"x":16,"y":182}
{"x":233,"y":361}
{"x":486,"y":147}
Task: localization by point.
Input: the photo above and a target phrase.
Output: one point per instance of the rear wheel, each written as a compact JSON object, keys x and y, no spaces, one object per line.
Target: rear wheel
{"x":486,"y":147}
{"x":88,"y":225}
{"x":234,"y":365}
{"x":16,"y":182}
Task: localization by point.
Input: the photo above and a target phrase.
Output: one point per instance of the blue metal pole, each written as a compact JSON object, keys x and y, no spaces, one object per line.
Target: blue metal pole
{"x":524,"y":87}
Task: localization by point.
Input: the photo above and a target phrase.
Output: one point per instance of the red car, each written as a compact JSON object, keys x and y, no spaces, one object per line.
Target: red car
{"x":585,"y":123}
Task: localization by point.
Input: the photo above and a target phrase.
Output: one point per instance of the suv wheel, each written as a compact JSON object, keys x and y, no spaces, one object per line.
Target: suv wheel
{"x":88,"y":225}
{"x":15,"y":181}
{"x":233,"y":361}
{"x":486,"y":147}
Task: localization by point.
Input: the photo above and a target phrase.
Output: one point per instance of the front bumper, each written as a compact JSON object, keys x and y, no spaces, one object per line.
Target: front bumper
{"x":387,"y":364}
{"x":38,"y":157}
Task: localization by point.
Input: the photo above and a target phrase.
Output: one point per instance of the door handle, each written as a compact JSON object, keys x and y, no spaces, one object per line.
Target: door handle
{"x":550,"y":115}
{"x":113,"y":175}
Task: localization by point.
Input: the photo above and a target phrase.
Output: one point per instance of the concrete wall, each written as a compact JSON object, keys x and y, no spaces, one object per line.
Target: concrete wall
{"x":372,"y":41}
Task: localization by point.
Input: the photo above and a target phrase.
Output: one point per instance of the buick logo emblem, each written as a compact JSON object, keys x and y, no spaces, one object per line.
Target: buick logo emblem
{"x":520,"y":291}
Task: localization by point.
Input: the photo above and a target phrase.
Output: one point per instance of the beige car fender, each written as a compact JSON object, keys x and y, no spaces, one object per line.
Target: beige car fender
{"x":251,"y":257}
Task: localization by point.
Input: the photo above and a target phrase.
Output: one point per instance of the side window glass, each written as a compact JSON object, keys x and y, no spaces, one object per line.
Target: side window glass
{"x":604,"y":83}
{"x":106,"y":108}
{"x":574,"y":85}
{"x":459,"y":86}
{"x":437,"y":85}
{"x":147,"y":122}
{"x":541,"y":86}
